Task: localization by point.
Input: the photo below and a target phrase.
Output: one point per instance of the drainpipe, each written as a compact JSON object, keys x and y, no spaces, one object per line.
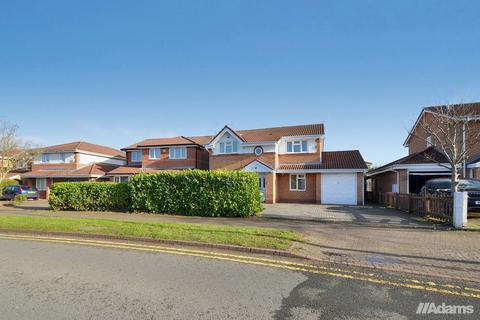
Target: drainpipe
{"x":464,"y":136}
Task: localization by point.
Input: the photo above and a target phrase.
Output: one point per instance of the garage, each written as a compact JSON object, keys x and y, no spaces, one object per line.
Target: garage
{"x":339,"y":188}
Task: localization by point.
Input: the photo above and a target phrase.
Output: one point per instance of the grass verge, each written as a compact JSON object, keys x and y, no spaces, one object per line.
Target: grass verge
{"x":241,"y":236}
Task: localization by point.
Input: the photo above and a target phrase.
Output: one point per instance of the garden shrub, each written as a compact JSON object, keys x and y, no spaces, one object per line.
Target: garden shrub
{"x":19,"y":198}
{"x":89,"y":196}
{"x":197,"y":193}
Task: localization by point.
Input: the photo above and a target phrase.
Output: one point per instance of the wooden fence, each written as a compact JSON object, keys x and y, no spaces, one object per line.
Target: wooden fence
{"x":438,"y":207}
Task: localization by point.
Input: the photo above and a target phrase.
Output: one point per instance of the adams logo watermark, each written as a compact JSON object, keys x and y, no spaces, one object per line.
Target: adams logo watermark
{"x":432,"y":308}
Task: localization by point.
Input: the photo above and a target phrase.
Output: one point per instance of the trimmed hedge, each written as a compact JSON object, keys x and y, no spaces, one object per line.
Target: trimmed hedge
{"x":197,"y":193}
{"x":89,"y":196}
{"x":192,"y":192}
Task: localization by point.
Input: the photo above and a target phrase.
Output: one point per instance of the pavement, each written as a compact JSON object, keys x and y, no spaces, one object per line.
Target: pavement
{"x":74,"y":280}
{"x":411,"y":247}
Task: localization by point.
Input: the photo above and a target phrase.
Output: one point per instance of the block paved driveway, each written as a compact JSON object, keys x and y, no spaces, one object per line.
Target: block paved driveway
{"x":373,"y":215}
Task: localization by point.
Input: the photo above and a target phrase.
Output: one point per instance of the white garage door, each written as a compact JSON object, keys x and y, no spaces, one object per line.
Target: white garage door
{"x":339,"y":188}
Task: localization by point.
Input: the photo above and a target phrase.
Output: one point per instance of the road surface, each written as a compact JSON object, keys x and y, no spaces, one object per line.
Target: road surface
{"x":50,"y":280}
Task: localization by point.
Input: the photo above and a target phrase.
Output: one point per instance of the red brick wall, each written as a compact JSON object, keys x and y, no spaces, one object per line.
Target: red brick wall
{"x":285,"y":195}
{"x":383,"y":182}
{"x":302,"y":157}
{"x":196,"y":158}
{"x":360,"y":189}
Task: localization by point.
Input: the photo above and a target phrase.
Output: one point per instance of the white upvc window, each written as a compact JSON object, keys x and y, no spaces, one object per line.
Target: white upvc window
{"x":297,"y":146}
{"x":45,"y":157}
{"x":229,"y":147}
{"x":121,"y":179}
{"x":136,"y":156}
{"x":63,"y":157}
{"x":429,"y":141}
{"x":298,"y":182}
{"x":178,"y":153}
{"x":41,"y":184}
{"x":155,"y":153}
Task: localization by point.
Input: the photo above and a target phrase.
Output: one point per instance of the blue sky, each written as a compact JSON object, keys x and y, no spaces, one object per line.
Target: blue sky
{"x":115,"y":72}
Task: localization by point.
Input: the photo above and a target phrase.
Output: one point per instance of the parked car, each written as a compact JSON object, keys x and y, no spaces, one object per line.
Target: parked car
{"x":443,"y":186}
{"x":9,"y":192}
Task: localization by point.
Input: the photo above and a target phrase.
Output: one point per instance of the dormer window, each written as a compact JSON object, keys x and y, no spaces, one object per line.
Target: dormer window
{"x":297,"y":146}
{"x":229,"y":147}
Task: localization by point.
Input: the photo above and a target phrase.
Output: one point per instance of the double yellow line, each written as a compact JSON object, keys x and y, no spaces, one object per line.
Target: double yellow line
{"x":281,"y":264}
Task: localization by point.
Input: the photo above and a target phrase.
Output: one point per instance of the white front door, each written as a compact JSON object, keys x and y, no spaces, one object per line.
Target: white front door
{"x":261,"y":184}
{"x":339,"y":188}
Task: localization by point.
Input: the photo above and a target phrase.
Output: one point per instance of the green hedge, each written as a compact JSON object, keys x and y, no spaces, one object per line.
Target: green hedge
{"x":197,"y":193}
{"x":193,"y":192}
{"x":89,"y":196}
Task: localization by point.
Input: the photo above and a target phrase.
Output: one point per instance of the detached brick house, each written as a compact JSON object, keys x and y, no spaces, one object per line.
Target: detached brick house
{"x":75,"y":161}
{"x":152,"y":155}
{"x":291,"y":163}
{"x":424,"y":161}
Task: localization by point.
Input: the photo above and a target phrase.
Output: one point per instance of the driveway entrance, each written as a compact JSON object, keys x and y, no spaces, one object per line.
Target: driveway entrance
{"x":337,"y":213}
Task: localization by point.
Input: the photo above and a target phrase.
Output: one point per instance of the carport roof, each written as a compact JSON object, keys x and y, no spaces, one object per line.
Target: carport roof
{"x":430,"y":155}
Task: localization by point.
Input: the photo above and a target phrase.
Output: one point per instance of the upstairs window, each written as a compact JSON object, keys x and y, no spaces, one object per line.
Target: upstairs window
{"x":63,"y":157}
{"x":155,"y":153}
{"x":297,"y":146}
{"x":136,"y":156}
{"x":45,"y":157}
{"x":178,"y":153}
{"x":229,"y":147}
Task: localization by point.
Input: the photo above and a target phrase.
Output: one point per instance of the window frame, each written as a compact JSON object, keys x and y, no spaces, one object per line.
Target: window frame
{"x":298,"y":176}
{"x":302,"y":144}
{"x":172,"y":153}
{"x":136,"y":152}
{"x":45,"y":157}
{"x":119,"y":178}
{"x":43,"y":187}
{"x":233,"y":144}
{"x":154,"y":153}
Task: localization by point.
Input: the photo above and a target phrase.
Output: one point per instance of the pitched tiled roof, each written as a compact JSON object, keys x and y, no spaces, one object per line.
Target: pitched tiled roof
{"x":130,"y":170}
{"x":171,"y":141}
{"x":78,"y":146}
{"x":463,"y":108}
{"x":92,"y":170}
{"x":429,"y":155}
{"x":274,"y":134}
{"x":331,"y":160}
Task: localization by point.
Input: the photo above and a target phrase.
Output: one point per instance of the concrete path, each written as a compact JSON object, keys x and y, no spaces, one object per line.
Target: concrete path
{"x":41,"y":280}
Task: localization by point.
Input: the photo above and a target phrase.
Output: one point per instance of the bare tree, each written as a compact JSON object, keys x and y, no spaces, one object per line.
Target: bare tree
{"x":455,"y":131}
{"x":15,"y":153}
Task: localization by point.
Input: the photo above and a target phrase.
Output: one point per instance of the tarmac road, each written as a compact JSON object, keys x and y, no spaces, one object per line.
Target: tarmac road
{"x":50,"y":280}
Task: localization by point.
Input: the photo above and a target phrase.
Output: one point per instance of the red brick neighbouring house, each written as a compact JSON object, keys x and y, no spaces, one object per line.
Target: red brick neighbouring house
{"x":152,"y":155}
{"x":75,"y":161}
{"x":424,"y":161}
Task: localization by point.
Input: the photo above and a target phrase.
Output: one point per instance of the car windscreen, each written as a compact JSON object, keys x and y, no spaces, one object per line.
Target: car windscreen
{"x":469,"y":184}
{"x":439,"y":185}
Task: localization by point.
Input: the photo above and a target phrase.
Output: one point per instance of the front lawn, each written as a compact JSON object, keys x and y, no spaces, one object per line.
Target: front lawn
{"x":241,"y":236}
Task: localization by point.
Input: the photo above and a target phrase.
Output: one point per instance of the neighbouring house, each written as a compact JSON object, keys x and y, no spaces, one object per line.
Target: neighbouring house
{"x":424,"y":161}
{"x":292,"y":164}
{"x":152,"y":155}
{"x":74,"y":161}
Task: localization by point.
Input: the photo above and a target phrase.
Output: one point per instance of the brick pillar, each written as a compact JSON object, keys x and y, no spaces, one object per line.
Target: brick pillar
{"x":360,"y":189}
{"x":318,"y":188}
{"x":270,"y":188}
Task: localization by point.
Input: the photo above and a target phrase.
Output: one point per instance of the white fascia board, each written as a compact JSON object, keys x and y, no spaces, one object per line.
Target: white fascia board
{"x":288,"y":138}
{"x":164,"y":146}
{"x":64,"y":176}
{"x":323,"y":171}
{"x":258,"y":143}
{"x":413,"y":167}
{"x":221,"y":133}
{"x":100,"y":154}
{"x":474,"y":165}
